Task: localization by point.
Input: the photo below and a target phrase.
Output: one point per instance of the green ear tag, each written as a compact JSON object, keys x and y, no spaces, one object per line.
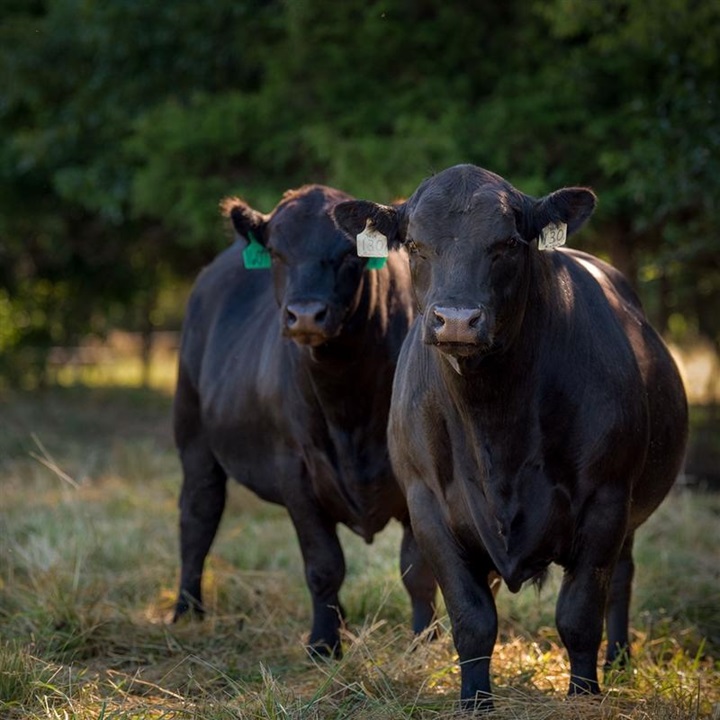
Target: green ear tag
{"x":255,"y":256}
{"x":376,"y":263}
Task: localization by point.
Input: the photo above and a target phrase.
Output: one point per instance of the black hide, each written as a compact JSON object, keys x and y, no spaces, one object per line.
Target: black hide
{"x":284,"y":384}
{"x":536,"y":417}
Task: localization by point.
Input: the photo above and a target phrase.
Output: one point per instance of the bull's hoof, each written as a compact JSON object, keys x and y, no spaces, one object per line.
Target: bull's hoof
{"x":425,"y":636}
{"x":583,"y":686}
{"x":481,"y":704}
{"x":188,"y":612}
{"x":425,"y":625}
{"x":617,"y":671}
{"x":618,"y":658}
{"x":323,"y":651}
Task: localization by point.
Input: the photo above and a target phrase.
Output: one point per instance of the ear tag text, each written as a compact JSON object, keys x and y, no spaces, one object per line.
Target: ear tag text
{"x":255,"y":256}
{"x":371,"y":242}
{"x":552,"y":236}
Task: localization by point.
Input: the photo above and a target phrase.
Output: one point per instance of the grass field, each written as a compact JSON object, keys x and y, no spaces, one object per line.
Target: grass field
{"x":88,"y":571}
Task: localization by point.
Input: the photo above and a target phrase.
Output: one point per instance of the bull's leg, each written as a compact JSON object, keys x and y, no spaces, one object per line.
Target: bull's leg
{"x":202,"y":501}
{"x":585,"y":588}
{"x":469,"y":600}
{"x":324,"y":573}
{"x":579,"y":619}
{"x":474,"y":623}
{"x":418,"y":579}
{"x":618,"y":607}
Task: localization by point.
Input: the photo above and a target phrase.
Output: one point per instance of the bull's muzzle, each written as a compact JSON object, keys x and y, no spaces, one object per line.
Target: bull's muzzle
{"x":306,"y":322}
{"x":457,"y":330}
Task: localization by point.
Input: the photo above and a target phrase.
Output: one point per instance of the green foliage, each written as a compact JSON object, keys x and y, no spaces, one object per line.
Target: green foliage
{"x":123,"y":124}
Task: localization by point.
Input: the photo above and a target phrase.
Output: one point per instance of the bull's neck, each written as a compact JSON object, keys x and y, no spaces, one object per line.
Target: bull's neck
{"x":351,"y":376}
{"x":505,"y":377}
{"x":356,"y":347}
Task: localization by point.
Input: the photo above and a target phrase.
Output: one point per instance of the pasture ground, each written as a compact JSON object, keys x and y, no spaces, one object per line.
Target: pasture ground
{"x":88,"y":572}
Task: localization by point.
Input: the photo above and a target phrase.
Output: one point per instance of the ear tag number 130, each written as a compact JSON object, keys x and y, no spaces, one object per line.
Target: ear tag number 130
{"x":552,"y":236}
{"x":371,"y":243}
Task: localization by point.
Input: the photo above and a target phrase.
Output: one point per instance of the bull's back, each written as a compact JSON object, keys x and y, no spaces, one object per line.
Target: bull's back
{"x":235,"y":374}
{"x":663,"y":388}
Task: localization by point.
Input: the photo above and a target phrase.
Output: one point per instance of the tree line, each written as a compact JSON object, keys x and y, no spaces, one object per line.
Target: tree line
{"x":123,"y":124}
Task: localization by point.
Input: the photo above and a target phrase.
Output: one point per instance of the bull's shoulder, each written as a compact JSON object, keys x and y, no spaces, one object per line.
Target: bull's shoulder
{"x":226,"y":286}
{"x":609,"y":277}
{"x":601,"y":342}
{"x":226,"y":311}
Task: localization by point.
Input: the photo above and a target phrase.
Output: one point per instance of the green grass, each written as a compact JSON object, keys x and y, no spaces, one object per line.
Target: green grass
{"x":88,"y":572}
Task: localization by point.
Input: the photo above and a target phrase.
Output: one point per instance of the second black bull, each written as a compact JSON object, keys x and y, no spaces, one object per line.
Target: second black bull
{"x":284,"y":384}
{"x":536,"y":416}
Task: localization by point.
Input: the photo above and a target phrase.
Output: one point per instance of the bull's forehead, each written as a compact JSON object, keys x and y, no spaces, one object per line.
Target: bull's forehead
{"x":305,"y":229}
{"x":480,"y":215}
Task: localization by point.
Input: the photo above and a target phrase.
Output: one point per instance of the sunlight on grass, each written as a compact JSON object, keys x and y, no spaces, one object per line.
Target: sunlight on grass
{"x":118,"y":363}
{"x":121,"y":372}
{"x":700,"y":370}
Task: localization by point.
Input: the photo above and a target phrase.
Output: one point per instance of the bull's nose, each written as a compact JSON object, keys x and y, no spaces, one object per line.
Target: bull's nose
{"x":306,"y":317}
{"x":457,"y":324}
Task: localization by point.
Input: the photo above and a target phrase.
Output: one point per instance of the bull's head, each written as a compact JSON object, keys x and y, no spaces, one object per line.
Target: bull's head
{"x":471,"y":238}
{"x":316,"y":272}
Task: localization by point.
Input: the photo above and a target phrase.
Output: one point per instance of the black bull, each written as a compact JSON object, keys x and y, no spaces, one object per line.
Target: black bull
{"x":536,"y":417}
{"x":284,"y":384}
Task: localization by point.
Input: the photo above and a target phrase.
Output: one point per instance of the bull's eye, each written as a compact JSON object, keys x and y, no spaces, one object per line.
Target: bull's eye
{"x":504,"y":248}
{"x":414,"y":249}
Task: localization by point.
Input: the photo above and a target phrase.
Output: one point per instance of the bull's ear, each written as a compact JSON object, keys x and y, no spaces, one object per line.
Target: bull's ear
{"x":245,"y":220}
{"x":572,"y":206}
{"x":352,"y":216}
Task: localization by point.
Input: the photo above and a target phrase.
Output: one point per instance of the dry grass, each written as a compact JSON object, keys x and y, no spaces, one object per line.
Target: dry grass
{"x":88,"y":570}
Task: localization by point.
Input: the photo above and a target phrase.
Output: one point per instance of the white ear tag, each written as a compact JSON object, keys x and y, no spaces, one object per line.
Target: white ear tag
{"x":552,"y":236}
{"x":371,"y":242}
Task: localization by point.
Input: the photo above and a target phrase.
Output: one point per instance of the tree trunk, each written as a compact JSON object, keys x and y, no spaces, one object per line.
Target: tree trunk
{"x":146,"y":338}
{"x":620,"y":244}
{"x":146,"y":355}
{"x":664,"y":304}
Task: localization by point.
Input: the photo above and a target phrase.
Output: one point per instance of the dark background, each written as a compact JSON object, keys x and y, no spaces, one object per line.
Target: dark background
{"x":124,"y":122}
